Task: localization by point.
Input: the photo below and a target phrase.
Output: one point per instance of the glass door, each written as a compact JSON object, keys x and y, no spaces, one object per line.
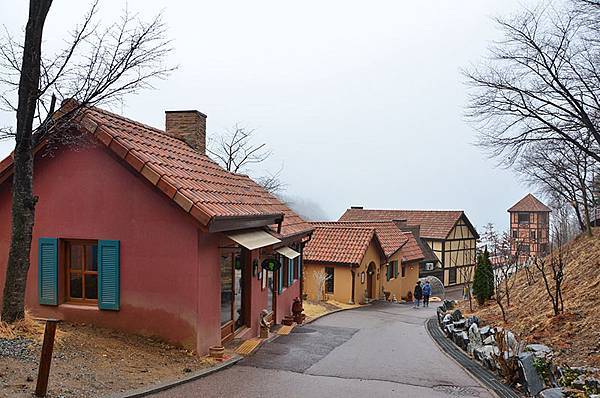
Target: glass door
{"x":232,"y":291}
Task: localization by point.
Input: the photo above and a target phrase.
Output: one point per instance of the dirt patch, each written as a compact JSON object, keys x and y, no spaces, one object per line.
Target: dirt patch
{"x":575,"y":334}
{"x":90,"y":361}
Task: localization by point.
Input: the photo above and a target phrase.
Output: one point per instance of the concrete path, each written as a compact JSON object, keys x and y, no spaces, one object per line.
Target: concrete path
{"x":378,"y":351}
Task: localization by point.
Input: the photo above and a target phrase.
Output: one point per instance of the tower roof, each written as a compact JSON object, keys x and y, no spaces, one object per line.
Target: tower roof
{"x":529,"y":204}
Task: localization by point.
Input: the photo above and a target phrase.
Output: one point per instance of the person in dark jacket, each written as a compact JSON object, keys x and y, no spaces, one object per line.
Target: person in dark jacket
{"x":426,"y":294}
{"x":418,"y":294}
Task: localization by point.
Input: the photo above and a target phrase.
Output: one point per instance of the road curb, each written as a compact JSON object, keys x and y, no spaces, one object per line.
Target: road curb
{"x":145,"y":391}
{"x":482,"y":375}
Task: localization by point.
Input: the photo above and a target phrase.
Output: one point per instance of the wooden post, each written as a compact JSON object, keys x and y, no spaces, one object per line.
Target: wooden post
{"x":46,"y":358}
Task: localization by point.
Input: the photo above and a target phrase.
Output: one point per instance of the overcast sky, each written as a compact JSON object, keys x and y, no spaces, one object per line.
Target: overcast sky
{"x":361,"y":102}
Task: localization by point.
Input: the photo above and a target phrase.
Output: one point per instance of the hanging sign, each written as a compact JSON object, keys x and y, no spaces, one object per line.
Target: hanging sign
{"x":271,"y":264}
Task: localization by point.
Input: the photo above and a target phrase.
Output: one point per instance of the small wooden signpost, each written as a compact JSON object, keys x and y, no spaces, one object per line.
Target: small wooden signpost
{"x":46,"y":358}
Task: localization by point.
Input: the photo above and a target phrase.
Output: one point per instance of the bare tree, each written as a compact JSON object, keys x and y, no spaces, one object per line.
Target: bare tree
{"x":561,"y":170}
{"x":552,"y":269}
{"x":236,"y":152}
{"x":541,"y":83}
{"x":272,"y":182}
{"x":320,"y":278}
{"x":99,"y":65}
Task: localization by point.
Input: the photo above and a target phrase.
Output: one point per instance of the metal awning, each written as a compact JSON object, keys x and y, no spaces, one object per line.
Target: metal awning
{"x":288,"y":252}
{"x":253,"y":239}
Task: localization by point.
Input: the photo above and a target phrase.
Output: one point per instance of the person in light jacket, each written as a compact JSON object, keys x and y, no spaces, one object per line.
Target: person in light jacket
{"x":418,"y":294}
{"x":426,"y":294}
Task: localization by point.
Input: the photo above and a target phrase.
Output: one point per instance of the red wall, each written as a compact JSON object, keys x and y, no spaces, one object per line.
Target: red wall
{"x":91,"y":195}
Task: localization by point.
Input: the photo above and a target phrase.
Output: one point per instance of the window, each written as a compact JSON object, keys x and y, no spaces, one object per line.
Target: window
{"x":329,"y":282}
{"x":523,"y":249}
{"x":285,"y":270}
{"x":297,"y":268}
{"x":403,"y":271}
{"x":523,"y":218}
{"x":544,"y":248}
{"x":81,"y":266}
{"x":452,"y":276}
{"x":515,"y":233}
{"x":532,"y":234}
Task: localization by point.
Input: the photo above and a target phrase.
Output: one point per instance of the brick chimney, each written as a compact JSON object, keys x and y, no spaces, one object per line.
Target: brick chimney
{"x":189,"y":126}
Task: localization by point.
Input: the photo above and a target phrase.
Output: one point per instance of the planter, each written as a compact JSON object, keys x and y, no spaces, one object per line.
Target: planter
{"x":216,"y":351}
{"x":288,"y":320}
{"x":387,"y":295}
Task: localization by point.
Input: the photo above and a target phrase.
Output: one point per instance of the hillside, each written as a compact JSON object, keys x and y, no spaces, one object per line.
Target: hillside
{"x":574,"y":335}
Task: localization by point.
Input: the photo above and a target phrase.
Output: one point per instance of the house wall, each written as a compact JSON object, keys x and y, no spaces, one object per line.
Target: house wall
{"x":400,"y":286}
{"x":342,"y":282}
{"x":457,"y":253}
{"x":285,"y":300}
{"x":169,"y":270}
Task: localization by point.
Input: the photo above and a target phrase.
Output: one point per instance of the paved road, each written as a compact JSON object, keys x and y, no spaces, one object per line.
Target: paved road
{"x":377,"y":351}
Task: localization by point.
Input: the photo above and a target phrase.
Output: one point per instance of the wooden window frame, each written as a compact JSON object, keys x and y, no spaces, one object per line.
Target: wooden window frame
{"x":66,"y":252}
{"x":523,"y":214}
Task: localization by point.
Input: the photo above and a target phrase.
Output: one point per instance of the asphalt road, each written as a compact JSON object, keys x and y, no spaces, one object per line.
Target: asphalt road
{"x":378,"y":351}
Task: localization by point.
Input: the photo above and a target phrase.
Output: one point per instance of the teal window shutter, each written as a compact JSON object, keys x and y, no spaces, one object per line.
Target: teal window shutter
{"x":290,"y":271}
{"x":300,"y":266}
{"x":280,"y":280}
{"x":109,"y":297}
{"x":280,"y":276}
{"x":395,"y":269}
{"x":48,"y":271}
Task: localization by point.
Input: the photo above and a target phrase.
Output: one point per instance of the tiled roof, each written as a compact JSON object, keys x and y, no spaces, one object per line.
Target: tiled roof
{"x":191,"y":179}
{"x":391,"y":237}
{"x":339,"y":244}
{"x":428,"y":254}
{"x":435,"y":224}
{"x":529,"y":204}
{"x":411,"y":251}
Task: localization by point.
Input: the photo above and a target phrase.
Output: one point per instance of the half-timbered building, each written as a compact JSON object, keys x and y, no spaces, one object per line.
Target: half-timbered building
{"x":448,"y":233}
{"x":529,"y":227}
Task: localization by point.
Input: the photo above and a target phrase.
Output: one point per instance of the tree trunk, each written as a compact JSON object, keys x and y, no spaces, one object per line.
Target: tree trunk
{"x":586,"y":210}
{"x":23,"y":200}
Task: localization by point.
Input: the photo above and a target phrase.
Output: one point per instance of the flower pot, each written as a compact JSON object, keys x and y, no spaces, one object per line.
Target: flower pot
{"x":216,"y":351}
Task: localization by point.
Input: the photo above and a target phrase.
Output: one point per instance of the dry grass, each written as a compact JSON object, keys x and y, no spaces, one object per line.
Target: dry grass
{"x":575,"y":334}
{"x":27,"y":328}
{"x":312,"y":310}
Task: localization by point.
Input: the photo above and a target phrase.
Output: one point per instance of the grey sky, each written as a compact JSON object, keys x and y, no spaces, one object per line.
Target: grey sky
{"x":362,"y":102}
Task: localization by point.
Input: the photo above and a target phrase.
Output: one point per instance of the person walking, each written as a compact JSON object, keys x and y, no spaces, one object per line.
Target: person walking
{"x":418,"y":294}
{"x":426,"y":294}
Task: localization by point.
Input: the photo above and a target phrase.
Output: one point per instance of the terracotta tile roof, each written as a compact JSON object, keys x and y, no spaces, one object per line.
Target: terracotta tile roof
{"x":191,"y":179}
{"x":435,"y":224}
{"x":530,"y":204}
{"x":428,"y":254}
{"x":391,"y":237}
{"x":344,"y":245}
{"x":411,"y":250}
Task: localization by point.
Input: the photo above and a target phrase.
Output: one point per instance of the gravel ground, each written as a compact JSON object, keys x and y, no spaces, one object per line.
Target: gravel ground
{"x":92,"y":362}
{"x":19,"y":348}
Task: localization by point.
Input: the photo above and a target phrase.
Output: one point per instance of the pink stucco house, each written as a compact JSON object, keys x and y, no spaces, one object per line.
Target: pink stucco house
{"x":141,"y":231}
